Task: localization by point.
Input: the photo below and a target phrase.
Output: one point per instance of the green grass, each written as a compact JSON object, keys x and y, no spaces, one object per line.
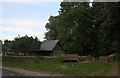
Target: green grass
{"x":56,"y":66}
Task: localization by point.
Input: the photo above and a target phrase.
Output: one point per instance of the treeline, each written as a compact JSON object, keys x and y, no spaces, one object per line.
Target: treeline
{"x":22,"y":44}
{"x":86,"y":30}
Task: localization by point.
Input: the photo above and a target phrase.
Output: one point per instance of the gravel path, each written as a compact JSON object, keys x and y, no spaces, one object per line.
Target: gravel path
{"x":8,"y":71}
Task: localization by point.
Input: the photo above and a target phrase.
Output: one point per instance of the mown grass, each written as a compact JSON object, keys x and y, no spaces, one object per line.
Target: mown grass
{"x":56,"y":66}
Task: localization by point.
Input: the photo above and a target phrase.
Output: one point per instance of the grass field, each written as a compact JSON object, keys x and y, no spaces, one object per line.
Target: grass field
{"x":56,"y":66}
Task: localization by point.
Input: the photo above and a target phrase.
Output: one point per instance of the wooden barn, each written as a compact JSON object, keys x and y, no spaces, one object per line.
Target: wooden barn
{"x":50,"y":48}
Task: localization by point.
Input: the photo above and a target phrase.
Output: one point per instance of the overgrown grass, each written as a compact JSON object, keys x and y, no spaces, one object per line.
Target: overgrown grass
{"x":56,"y":66}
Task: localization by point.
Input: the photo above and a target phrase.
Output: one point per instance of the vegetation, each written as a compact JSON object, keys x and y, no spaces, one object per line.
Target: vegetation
{"x":21,"y":44}
{"x":86,"y":30}
{"x":57,"y":67}
{"x":82,"y":29}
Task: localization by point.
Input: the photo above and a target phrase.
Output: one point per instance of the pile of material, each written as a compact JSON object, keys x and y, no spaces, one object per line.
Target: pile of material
{"x":70,"y":58}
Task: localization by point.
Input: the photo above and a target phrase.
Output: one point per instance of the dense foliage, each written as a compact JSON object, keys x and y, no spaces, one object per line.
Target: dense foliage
{"x":86,"y":30}
{"x":21,"y":44}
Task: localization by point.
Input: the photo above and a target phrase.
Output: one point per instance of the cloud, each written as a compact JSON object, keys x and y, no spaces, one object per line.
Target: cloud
{"x":22,"y":27}
{"x":31,"y":0}
{"x":26,"y":17}
{"x":24,"y":22}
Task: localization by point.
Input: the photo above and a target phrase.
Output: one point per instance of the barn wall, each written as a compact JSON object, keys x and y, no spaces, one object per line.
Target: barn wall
{"x":57,"y":51}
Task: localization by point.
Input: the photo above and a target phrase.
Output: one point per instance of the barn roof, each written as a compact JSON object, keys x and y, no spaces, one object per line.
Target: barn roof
{"x":48,"y":45}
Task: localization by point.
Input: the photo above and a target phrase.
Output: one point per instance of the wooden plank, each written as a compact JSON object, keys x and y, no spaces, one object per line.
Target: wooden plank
{"x":70,"y":57}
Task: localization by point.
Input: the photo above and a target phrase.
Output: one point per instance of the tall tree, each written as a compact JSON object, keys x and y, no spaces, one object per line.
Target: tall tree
{"x":87,"y":30}
{"x":51,"y":27}
{"x":73,"y":26}
{"x":107,"y":23}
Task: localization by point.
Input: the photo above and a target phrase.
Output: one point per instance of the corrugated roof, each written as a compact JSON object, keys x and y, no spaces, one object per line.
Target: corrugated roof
{"x":48,"y":45}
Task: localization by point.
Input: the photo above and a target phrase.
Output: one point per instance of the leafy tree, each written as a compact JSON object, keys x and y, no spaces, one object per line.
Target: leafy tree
{"x":78,"y":29}
{"x":107,"y":23}
{"x":71,"y":26}
{"x":86,"y":30}
{"x":8,"y":45}
{"x":51,"y":27}
{"x":22,"y":44}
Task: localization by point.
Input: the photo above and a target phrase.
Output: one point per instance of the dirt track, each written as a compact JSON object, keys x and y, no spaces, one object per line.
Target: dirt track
{"x":7,"y":71}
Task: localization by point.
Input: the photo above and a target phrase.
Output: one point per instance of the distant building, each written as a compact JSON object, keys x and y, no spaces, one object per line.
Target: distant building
{"x":50,"y":48}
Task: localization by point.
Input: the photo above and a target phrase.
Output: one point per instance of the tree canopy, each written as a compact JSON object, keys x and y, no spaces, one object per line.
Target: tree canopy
{"x":86,"y":30}
{"x":22,"y":44}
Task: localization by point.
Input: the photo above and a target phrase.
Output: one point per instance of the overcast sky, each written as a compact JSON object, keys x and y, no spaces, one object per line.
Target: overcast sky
{"x":25,"y":18}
